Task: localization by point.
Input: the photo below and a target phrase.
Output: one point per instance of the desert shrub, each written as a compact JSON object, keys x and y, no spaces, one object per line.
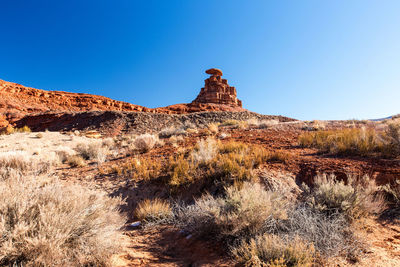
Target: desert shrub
{"x":24,"y":129}
{"x":241,"y":213}
{"x":272,"y":250}
{"x":278,"y":156}
{"x":154,"y":211}
{"x":331,"y":235}
{"x":392,"y":191}
{"x":138,"y":169}
{"x":63,"y":152}
{"x":205,"y":151}
{"x":92,"y":150}
{"x":355,"y":199}
{"x":145,"y":142}
{"x":145,"y":169}
{"x":357,"y":141}
{"x":392,"y":138}
{"x":75,"y":161}
{"x":232,"y":123}
{"x":213,"y":128}
{"x":171,"y":131}
{"x":268,"y":123}
{"x":46,"y":223}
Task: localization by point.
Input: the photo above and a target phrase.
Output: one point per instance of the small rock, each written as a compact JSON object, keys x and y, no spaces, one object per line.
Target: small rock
{"x":135,"y":224}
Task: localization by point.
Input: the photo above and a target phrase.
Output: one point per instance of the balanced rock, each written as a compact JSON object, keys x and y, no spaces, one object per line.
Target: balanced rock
{"x":214,"y":71}
{"x":217,"y":91}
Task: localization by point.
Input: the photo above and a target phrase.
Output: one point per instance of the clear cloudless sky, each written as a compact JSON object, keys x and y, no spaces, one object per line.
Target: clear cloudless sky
{"x":308,"y":59}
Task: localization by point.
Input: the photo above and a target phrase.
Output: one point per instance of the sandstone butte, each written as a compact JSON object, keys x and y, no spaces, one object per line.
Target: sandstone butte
{"x":17,"y":101}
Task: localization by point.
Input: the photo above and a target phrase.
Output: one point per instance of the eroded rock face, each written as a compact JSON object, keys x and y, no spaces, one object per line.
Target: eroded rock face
{"x":217,"y":91}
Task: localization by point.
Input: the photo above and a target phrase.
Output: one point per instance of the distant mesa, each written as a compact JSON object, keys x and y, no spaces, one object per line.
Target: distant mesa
{"x":217,"y":91}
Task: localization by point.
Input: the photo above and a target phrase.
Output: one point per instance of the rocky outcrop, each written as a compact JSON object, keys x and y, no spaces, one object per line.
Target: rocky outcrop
{"x":217,"y":91}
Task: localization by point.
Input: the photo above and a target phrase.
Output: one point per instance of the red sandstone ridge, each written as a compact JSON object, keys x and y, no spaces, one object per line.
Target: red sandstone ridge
{"x":217,"y":91}
{"x":17,"y":101}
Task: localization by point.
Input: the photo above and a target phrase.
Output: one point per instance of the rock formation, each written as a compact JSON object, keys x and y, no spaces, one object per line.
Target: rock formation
{"x":18,"y":102}
{"x":217,"y":91}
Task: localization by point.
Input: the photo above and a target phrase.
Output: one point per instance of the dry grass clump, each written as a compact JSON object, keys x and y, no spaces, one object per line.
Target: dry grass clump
{"x":46,"y":223}
{"x":154,"y":211}
{"x":205,"y":151}
{"x":213,"y":128}
{"x":272,"y":250}
{"x":143,"y":169}
{"x":171,"y":131}
{"x":10,"y":130}
{"x":145,"y":142}
{"x":93,"y":150}
{"x":236,"y":123}
{"x":75,"y":161}
{"x":355,"y":199}
{"x":357,"y":141}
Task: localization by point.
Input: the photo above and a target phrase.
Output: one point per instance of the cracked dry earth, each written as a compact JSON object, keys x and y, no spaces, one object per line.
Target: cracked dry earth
{"x":165,"y":246}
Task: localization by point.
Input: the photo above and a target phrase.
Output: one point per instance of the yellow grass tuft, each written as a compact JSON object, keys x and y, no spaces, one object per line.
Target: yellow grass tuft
{"x":155,"y":210}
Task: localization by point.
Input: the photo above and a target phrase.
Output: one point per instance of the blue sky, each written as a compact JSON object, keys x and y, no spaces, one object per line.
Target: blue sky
{"x":304,"y":59}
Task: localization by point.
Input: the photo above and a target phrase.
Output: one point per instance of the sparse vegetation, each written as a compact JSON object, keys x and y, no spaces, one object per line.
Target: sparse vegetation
{"x":229,"y":162}
{"x":264,"y":228}
{"x":46,"y":223}
{"x":357,"y":141}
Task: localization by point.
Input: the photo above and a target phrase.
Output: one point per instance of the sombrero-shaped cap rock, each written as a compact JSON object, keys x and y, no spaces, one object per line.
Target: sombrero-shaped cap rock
{"x":214,"y":71}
